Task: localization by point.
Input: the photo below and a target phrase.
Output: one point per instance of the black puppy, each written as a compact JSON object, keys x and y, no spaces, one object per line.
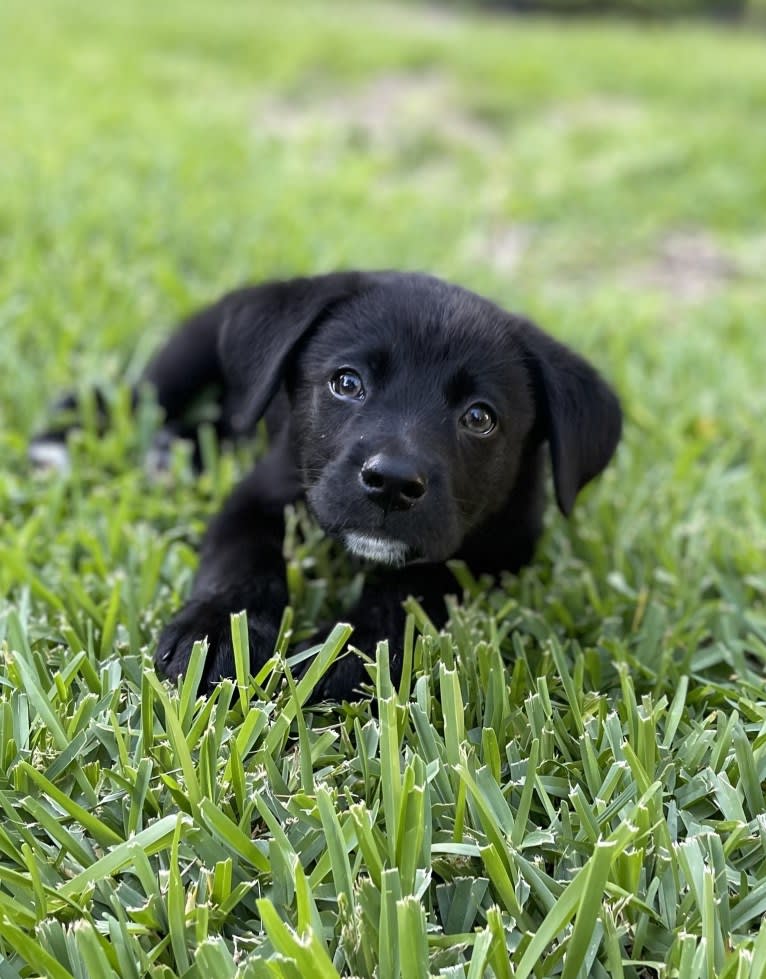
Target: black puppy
{"x":413,"y":417}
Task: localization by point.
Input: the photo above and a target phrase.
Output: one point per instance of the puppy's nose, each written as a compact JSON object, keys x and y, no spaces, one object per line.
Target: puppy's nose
{"x":393,"y":482}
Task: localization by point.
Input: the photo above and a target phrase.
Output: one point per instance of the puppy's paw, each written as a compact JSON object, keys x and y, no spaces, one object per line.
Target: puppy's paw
{"x":348,"y":679}
{"x":352,"y":677}
{"x":49,"y":453}
{"x":48,"y":450}
{"x":210,"y":619}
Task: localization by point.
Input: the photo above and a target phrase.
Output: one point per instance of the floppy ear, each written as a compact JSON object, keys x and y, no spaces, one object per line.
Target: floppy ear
{"x":261,"y":327}
{"x":579,"y":413}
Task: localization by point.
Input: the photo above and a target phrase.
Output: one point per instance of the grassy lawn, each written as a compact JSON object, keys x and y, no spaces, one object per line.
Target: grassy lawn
{"x":573,"y":782}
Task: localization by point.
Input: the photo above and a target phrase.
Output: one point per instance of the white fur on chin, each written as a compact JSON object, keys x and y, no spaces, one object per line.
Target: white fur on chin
{"x":378,"y":549}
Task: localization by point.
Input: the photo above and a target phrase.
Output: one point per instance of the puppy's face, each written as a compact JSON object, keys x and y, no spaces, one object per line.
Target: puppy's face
{"x":417,"y":408}
{"x":410,"y":418}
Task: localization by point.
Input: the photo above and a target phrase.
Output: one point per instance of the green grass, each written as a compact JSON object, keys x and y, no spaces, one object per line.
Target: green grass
{"x":573,"y":781}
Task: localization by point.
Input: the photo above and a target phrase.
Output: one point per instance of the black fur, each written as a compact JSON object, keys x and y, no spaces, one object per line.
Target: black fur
{"x":383,"y":459}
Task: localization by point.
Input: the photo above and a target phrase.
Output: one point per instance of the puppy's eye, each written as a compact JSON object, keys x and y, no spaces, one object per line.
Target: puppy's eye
{"x":347,"y":384}
{"x":479,"y":419}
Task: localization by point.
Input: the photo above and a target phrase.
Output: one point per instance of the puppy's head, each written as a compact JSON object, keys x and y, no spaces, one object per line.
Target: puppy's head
{"x":416,"y":405}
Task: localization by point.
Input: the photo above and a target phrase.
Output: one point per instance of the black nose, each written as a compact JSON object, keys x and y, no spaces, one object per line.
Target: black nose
{"x":393,"y":482}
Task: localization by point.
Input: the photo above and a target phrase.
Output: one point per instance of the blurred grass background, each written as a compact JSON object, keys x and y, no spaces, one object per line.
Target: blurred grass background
{"x":606,"y":176}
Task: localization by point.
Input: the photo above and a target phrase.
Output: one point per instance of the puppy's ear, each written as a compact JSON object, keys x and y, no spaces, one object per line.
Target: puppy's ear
{"x":262,"y":326}
{"x":579,"y":413}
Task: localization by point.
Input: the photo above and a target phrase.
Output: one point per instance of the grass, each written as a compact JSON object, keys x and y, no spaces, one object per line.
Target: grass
{"x":570,"y":780}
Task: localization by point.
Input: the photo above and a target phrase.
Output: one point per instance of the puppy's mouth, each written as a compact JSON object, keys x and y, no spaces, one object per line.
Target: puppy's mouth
{"x":381,"y":550}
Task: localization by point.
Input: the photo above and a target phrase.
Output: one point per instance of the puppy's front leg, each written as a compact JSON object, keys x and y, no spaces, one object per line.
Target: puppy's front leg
{"x":379,"y":615}
{"x":241,"y":567}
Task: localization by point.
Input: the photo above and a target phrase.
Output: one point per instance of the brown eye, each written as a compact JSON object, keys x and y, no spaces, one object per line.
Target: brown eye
{"x":347,"y":384}
{"x":479,"y":419}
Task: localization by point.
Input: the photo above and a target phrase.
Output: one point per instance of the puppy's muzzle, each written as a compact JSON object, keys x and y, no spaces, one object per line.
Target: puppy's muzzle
{"x":392,"y":482}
